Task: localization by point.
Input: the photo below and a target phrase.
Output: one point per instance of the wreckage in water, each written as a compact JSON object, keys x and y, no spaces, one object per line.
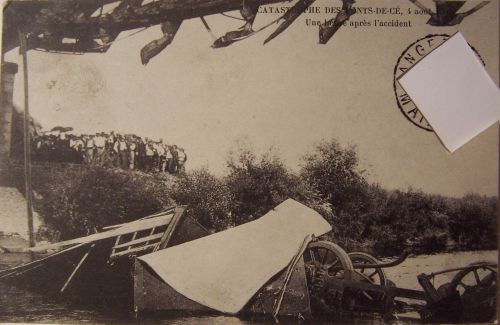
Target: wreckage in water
{"x":97,"y":268}
{"x":274,"y":266}
{"x":227,"y":270}
{"x":253,"y":268}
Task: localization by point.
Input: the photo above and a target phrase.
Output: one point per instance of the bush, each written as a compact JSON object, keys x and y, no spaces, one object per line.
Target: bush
{"x":387,"y":242}
{"x":432,"y":241}
{"x":333,"y":172}
{"x":258,"y":185}
{"x":473,"y":222}
{"x":207,"y":197}
{"x":406,"y":216}
{"x":80,"y":201}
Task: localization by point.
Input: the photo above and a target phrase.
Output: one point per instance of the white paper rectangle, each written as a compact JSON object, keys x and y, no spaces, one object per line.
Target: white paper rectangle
{"x":454,"y":92}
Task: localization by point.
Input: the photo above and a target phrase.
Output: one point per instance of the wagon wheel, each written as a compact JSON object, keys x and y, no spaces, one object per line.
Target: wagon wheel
{"x":329,"y":258}
{"x":476,"y":286}
{"x":369,"y":275}
{"x":323,"y":261}
{"x":480,"y":275}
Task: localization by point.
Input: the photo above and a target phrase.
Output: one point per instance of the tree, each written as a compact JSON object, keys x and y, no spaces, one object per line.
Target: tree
{"x":208,"y":198}
{"x":260,"y":184}
{"x":334,"y":173}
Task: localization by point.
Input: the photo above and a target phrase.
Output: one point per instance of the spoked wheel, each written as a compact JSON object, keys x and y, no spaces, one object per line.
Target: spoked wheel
{"x":369,"y":275}
{"x":480,"y":275}
{"x":476,"y":286}
{"x":325,"y":261}
{"x":327,"y":258}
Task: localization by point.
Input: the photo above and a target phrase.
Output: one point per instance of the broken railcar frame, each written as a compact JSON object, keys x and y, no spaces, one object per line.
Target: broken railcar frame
{"x":99,"y":271}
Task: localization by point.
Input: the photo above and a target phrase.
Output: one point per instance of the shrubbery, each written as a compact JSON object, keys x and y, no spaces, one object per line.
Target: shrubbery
{"x":208,"y":199}
{"x":259,"y":184}
{"x":473,"y":222}
{"x":80,"y":201}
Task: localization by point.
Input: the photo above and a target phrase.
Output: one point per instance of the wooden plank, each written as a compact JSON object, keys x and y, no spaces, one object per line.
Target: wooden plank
{"x":159,"y":214}
{"x":77,"y":268}
{"x":133,"y":250}
{"x":34,"y":264}
{"x":172,"y":227}
{"x":139,"y":241}
{"x":133,"y":237}
{"x":18,"y":273}
{"x":128,"y":228}
{"x":116,"y":244}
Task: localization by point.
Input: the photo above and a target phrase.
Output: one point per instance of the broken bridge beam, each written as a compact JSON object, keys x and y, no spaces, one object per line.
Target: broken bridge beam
{"x":153,"y":48}
{"x":329,"y":28}
{"x":74,"y":22}
{"x":147,"y":15}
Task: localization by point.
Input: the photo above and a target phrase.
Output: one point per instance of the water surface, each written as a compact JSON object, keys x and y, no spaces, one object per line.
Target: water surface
{"x":19,"y":305}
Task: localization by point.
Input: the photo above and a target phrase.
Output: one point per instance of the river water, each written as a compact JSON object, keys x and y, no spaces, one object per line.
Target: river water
{"x":18,"y":305}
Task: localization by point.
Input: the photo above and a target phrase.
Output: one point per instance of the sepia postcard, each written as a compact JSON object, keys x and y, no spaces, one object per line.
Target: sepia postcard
{"x":240,"y":162}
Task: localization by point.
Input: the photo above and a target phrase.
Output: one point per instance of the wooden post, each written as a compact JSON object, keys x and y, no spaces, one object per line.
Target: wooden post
{"x":27,"y":142}
{"x":171,"y":228}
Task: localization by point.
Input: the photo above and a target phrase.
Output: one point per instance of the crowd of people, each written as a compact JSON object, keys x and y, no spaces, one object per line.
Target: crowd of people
{"x":110,"y":150}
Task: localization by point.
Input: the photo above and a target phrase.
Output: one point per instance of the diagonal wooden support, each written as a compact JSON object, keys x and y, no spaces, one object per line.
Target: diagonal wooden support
{"x":172,"y":227}
{"x":290,"y":16}
{"x":76,"y":269}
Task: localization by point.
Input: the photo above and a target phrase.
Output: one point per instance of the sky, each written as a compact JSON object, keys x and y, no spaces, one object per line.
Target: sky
{"x":289,"y":95}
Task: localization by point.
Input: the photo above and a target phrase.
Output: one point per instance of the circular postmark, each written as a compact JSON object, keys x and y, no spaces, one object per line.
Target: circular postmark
{"x":410,"y":56}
